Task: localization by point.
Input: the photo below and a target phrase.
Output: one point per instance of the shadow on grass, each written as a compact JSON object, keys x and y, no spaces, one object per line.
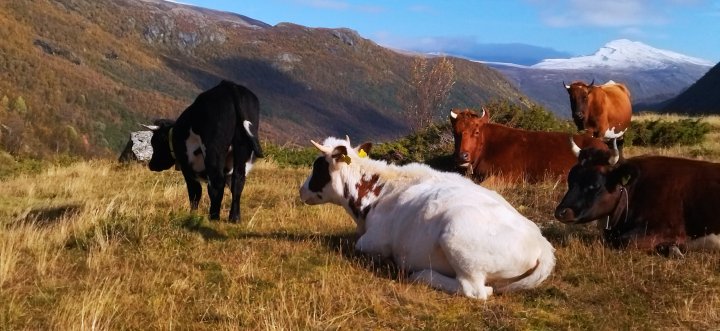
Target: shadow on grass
{"x":47,"y":216}
{"x":560,"y":234}
{"x":341,"y":243}
{"x":196,"y":223}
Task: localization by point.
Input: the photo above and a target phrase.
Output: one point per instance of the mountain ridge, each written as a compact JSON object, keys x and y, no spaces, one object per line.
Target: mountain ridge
{"x":89,"y":71}
{"x":623,"y":54}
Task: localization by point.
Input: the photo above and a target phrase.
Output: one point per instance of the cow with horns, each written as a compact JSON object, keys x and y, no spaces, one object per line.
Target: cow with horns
{"x":440,"y":227}
{"x":214,"y":139}
{"x":652,"y":203}
{"x":487,"y":149}
{"x":603,"y":111}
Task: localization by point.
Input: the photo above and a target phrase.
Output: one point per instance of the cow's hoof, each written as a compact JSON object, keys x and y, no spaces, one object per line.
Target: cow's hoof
{"x":214,"y":217}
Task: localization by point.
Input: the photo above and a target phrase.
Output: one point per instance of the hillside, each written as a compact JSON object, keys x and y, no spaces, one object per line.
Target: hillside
{"x":81,"y":74}
{"x":703,"y":97}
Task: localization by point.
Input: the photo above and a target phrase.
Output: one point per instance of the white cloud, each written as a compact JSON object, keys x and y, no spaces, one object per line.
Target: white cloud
{"x":632,"y":33}
{"x":607,"y":13}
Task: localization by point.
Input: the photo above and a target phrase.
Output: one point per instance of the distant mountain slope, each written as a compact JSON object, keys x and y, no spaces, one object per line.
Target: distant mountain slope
{"x":651,"y":74}
{"x":703,"y":97}
{"x":82,"y":73}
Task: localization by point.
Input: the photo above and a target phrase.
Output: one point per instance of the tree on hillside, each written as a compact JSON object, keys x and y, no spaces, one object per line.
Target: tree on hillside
{"x":19,"y":105}
{"x":430,"y":82}
{"x":5,"y":103}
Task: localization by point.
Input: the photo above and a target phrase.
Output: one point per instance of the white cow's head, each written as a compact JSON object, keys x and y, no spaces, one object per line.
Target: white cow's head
{"x":325,"y":183}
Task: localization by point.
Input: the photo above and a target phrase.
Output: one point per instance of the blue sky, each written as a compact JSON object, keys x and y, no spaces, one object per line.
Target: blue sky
{"x":563,"y":27}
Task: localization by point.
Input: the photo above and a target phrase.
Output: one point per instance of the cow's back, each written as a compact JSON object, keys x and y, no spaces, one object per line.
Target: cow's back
{"x":616,"y":106}
{"x":449,"y":206}
{"x":531,"y":155}
{"x":675,"y":193}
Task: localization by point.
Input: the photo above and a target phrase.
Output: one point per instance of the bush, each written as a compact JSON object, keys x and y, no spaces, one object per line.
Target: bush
{"x":431,"y":145}
{"x":286,"y":156}
{"x":534,"y":118}
{"x":665,"y":133}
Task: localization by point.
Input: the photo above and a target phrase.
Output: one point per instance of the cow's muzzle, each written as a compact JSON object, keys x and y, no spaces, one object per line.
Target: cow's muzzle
{"x":565,"y":215}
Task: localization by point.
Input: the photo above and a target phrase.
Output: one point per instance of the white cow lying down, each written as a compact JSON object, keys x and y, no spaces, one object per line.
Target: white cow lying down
{"x":442,"y":228}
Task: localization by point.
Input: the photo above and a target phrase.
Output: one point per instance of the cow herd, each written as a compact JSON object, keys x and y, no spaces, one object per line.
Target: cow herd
{"x":442,"y":228}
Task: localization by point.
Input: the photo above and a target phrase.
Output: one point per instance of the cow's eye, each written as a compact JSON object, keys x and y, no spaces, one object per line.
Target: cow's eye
{"x":477,"y":132}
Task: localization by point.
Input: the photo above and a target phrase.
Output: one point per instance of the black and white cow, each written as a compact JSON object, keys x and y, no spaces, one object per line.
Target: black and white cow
{"x":214,"y":139}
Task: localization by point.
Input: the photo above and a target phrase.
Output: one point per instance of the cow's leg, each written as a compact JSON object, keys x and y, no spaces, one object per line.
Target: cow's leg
{"x":214,"y":164}
{"x":194,"y":190}
{"x":241,"y":154}
{"x":436,"y":280}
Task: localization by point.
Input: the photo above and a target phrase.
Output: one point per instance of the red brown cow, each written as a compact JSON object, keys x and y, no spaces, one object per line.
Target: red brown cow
{"x":604,"y":111}
{"x":653,"y":203}
{"x":487,"y":149}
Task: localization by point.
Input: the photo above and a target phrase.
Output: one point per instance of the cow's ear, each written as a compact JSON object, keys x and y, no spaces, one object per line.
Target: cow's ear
{"x":485,"y":116}
{"x":340,"y":154}
{"x":364,"y":149}
{"x":622,"y":175}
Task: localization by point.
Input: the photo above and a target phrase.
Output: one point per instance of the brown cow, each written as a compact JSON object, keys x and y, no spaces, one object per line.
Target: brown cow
{"x":604,"y":111}
{"x":654,"y":203}
{"x":486,"y":149}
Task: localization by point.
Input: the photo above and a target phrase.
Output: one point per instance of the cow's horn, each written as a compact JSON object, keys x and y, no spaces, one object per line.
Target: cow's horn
{"x":483,"y":112}
{"x":453,"y":114}
{"x":575,"y":147}
{"x":324,"y":149}
{"x":347,"y":138}
{"x":593,"y":82}
{"x":567,"y":87}
{"x":150,"y":127}
{"x":614,"y":154}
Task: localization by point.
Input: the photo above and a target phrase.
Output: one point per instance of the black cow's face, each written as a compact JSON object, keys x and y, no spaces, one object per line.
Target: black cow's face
{"x":161,"y":159}
{"x":317,"y":188}
{"x":325,"y":182}
{"x":592,"y":186}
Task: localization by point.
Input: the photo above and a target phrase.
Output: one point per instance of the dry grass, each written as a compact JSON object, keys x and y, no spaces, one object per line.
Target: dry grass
{"x":98,"y":246}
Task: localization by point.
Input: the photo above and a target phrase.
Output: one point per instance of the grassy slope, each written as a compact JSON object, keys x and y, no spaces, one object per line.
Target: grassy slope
{"x":114,"y":247}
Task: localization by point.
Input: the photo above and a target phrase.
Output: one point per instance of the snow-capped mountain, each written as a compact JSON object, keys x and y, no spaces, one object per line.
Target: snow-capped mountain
{"x":652,"y":75}
{"x":624,"y":54}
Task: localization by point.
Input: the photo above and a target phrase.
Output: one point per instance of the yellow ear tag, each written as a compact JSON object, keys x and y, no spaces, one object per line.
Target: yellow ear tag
{"x":625,"y":180}
{"x":362,"y":153}
{"x":345,"y":159}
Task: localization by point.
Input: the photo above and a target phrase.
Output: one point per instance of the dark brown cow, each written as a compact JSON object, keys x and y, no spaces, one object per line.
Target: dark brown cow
{"x":487,"y":149}
{"x":653,"y":203}
{"x":604,"y":111}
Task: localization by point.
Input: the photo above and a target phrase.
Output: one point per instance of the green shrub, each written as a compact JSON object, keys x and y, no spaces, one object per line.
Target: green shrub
{"x":287,"y":156}
{"x":533,"y":118}
{"x":666,"y":133}
{"x":431,"y":145}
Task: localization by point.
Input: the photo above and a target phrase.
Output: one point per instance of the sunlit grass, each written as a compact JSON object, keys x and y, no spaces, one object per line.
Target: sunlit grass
{"x":95,"y":245}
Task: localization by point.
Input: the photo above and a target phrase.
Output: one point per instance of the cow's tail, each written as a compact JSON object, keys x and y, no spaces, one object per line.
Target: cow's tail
{"x":248,"y":104}
{"x":536,"y":275}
